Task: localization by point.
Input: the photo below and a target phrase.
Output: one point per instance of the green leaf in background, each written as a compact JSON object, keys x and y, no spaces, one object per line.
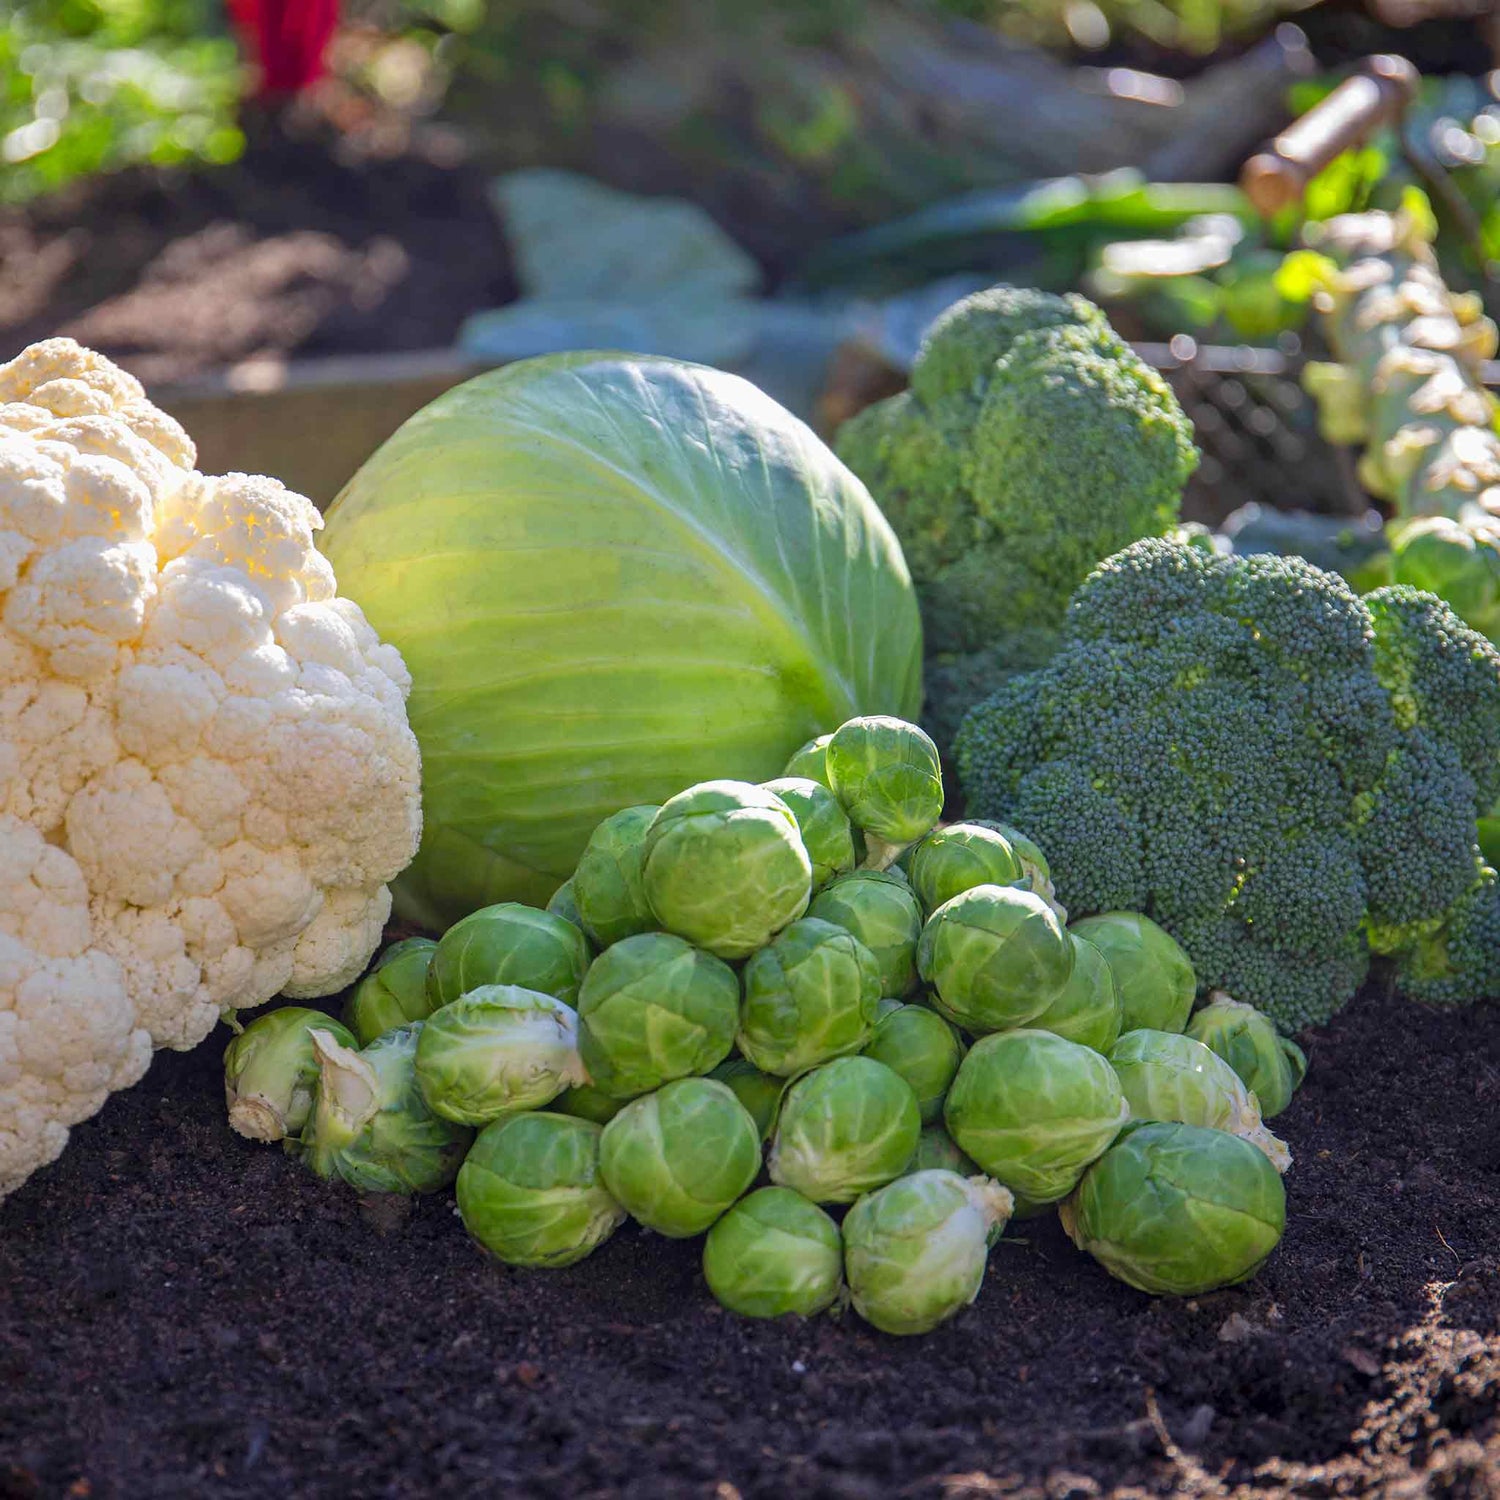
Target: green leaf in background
{"x":1056,"y":213}
{"x":1303,"y":274}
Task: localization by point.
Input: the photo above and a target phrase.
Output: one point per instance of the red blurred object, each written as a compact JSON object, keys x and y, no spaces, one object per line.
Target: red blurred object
{"x":289,"y":38}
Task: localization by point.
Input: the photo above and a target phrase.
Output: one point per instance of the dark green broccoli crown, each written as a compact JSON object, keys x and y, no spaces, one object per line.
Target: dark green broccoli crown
{"x":1032,"y":443}
{"x":1214,"y":745}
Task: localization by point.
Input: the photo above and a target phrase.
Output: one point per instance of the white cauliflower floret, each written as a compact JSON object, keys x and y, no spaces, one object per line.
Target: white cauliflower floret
{"x":211,"y":743}
{"x":68,"y":1031}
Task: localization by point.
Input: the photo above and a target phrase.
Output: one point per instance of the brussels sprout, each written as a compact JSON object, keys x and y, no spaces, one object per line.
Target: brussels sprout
{"x":497,"y":1049}
{"x":914,"y":1252}
{"x":774,"y":1253}
{"x":1153,"y":977}
{"x":654,"y":1008}
{"x":394,"y":992}
{"x":585,"y":1102}
{"x":997,"y":957}
{"x":725,"y":867}
{"x":827,"y":834}
{"x":845,"y":1128}
{"x":530,"y":1192}
{"x":887,"y":774}
{"x":811,"y":994}
{"x":271,"y":1071}
{"x":676,"y":1159}
{"x":936,"y":1148}
{"x":1178,"y":1209}
{"x":811,"y":761}
{"x":1167,"y":1076}
{"x":920,"y":1046}
{"x":607,"y":888}
{"x":509,"y":944}
{"x":563,"y":903}
{"x":1270,"y":1065}
{"x":957,"y":858}
{"x":881,"y":910}
{"x":370,"y":1124}
{"x":1033,"y":862}
{"x":759,"y":1092}
{"x":1034,"y":1110}
{"x":1088,"y":1009}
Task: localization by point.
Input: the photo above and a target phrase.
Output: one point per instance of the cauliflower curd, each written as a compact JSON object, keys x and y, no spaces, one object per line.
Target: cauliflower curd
{"x":206,"y":774}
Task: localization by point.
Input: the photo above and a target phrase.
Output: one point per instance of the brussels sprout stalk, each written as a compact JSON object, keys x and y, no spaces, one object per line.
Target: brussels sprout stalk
{"x":257,"y":1119}
{"x":1408,"y":383}
{"x":880,"y":855}
{"x":1409,"y":386}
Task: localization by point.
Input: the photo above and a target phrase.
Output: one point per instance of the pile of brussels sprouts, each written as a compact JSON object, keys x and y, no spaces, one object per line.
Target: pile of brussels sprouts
{"x":810,"y":982}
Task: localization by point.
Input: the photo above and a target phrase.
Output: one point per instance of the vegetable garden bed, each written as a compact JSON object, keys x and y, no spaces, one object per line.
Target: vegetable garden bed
{"x":190,"y":1314}
{"x":185,"y":1309}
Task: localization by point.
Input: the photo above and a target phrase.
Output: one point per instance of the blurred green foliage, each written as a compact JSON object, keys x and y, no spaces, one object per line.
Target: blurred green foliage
{"x":1194,"y":27}
{"x":1224,"y":282}
{"x":91,"y":85}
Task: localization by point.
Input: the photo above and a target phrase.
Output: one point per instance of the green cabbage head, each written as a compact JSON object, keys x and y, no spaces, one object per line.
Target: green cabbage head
{"x":611,"y":576}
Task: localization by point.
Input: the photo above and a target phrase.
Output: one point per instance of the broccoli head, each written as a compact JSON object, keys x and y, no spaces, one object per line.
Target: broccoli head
{"x":1280,"y":773}
{"x":1032,"y":443}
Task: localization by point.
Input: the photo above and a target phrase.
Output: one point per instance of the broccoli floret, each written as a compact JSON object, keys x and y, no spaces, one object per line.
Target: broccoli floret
{"x":1032,"y":443}
{"x":1423,"y":778}
{"x":1440,"y":676}
{"x":1078,"y":448}
{"x":1461,"y":959}
{"x":1278,"y":772}
{"x":962,"y":343}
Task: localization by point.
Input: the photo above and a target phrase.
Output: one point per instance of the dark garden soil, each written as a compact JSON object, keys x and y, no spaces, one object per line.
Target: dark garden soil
{"x":187,"y":1314}
{"x":292,"y":251}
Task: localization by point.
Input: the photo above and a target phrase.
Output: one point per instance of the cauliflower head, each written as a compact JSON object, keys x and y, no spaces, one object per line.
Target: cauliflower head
{"x":206,"y":774}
